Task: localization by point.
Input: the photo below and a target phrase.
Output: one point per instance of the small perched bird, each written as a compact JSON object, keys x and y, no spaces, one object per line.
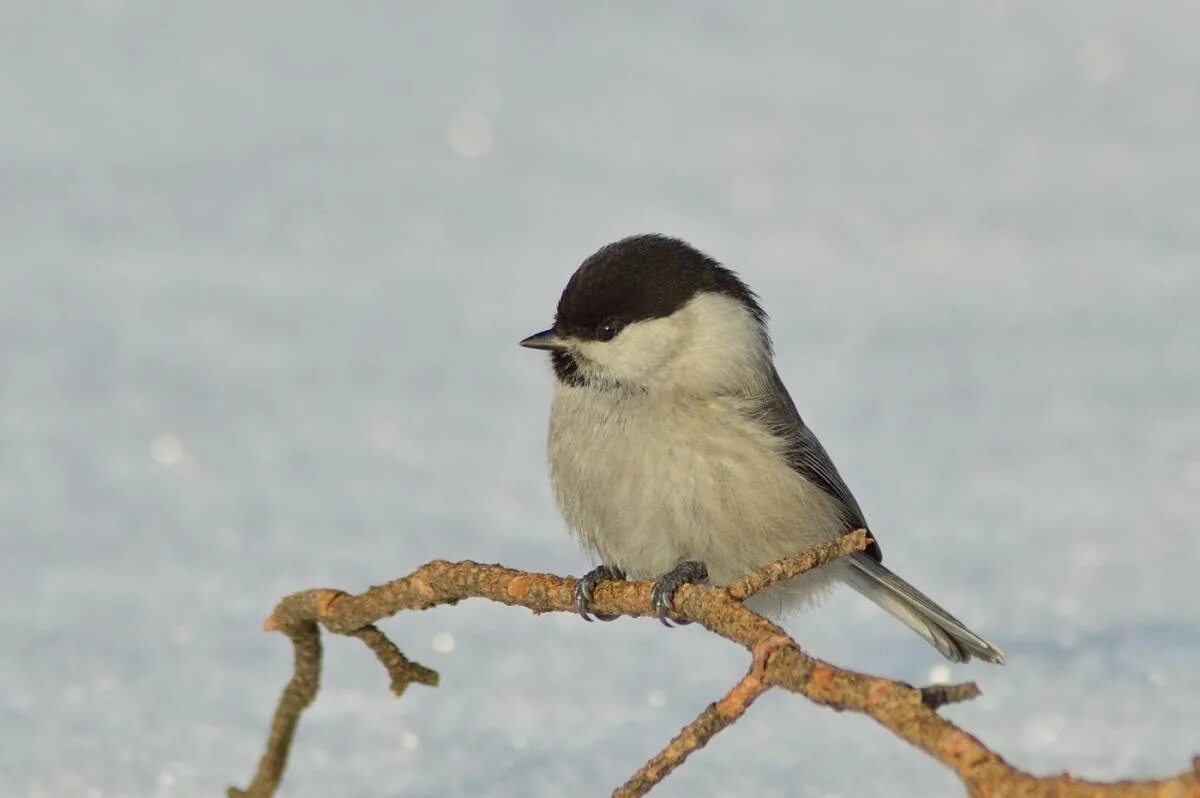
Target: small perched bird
{"x":676,"y":453}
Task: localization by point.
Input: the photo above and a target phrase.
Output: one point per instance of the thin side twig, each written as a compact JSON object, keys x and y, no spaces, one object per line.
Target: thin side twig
{"x":297,"y":695}
{"x":400,"y":668}
{"x":939,"y":695}
{"x":712,"y":720}
{"x":796,"y":564}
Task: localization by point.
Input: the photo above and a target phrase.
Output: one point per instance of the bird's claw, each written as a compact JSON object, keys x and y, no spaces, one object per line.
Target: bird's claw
{"x":585,"y":587}
{"x":662,"y":595}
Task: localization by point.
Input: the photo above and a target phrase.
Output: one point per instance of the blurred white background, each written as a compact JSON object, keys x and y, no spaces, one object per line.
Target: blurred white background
{"x":264,"y":267}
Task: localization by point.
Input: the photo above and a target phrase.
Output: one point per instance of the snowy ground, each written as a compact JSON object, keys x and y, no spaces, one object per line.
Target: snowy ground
{"x":264,"y":267}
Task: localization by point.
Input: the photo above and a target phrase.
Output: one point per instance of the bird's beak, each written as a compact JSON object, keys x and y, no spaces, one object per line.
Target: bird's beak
{"x":546,"y":339}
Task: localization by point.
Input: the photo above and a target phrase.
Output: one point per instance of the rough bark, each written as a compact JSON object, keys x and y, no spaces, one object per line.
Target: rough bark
{"x":776,"y":661}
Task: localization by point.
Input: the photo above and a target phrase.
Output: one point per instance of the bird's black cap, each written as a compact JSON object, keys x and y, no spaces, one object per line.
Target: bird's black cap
{"x":638,"y":278}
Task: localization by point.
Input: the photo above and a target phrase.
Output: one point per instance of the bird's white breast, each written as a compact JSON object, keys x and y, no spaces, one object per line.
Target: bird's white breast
{"x":647,"y":481}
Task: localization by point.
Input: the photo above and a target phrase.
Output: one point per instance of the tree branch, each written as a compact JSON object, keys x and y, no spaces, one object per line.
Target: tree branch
{"x":777,"y":661}
{"x":784,"y":569}
{"x":696,"y":734}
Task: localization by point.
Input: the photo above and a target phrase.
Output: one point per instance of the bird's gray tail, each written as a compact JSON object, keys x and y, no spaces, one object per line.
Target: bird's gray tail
{"x":919,"y":612}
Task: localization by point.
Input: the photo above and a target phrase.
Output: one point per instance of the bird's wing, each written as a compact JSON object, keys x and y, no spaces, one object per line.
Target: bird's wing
{"x":808,"y":457}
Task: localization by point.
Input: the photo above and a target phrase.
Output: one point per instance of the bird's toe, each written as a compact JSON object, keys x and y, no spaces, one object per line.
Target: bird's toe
{"x":662,"y":594}
{"x":585,"y":589}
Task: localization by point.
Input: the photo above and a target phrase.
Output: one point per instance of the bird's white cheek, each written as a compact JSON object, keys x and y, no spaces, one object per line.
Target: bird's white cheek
{"x":639,"y":353}
{"x":639,"y":361}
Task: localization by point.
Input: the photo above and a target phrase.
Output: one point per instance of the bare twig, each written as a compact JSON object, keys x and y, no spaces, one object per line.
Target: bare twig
{"x":696,"y":734}
{"x":788,"y":567}
{"x":908,"y":712}
{"x":402,"y":670}
{"x":939,"y":695}
{"x":297,"y":695}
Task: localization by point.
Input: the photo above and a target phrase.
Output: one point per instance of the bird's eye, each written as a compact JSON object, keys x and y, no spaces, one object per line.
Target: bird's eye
{"x":606,"y":331}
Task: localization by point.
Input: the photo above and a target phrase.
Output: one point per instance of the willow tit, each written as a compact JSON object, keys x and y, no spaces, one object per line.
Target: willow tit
{"x":676,"y":453}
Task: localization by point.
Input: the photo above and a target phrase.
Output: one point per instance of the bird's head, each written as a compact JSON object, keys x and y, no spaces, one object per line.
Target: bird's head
{"x":650,"y":313}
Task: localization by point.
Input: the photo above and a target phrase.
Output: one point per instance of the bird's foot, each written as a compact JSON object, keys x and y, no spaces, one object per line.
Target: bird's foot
{"x":586,"y":586}
{"x":662,"y":595}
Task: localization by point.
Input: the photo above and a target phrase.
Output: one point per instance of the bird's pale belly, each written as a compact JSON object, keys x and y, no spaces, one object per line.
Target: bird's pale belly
{"x":692,"y":480}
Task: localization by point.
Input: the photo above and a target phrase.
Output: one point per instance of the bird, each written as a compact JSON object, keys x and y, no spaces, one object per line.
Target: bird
{"x":677,"y":455}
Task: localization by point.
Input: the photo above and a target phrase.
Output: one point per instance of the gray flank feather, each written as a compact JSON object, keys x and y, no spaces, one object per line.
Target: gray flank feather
{"x":808,"y":457}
